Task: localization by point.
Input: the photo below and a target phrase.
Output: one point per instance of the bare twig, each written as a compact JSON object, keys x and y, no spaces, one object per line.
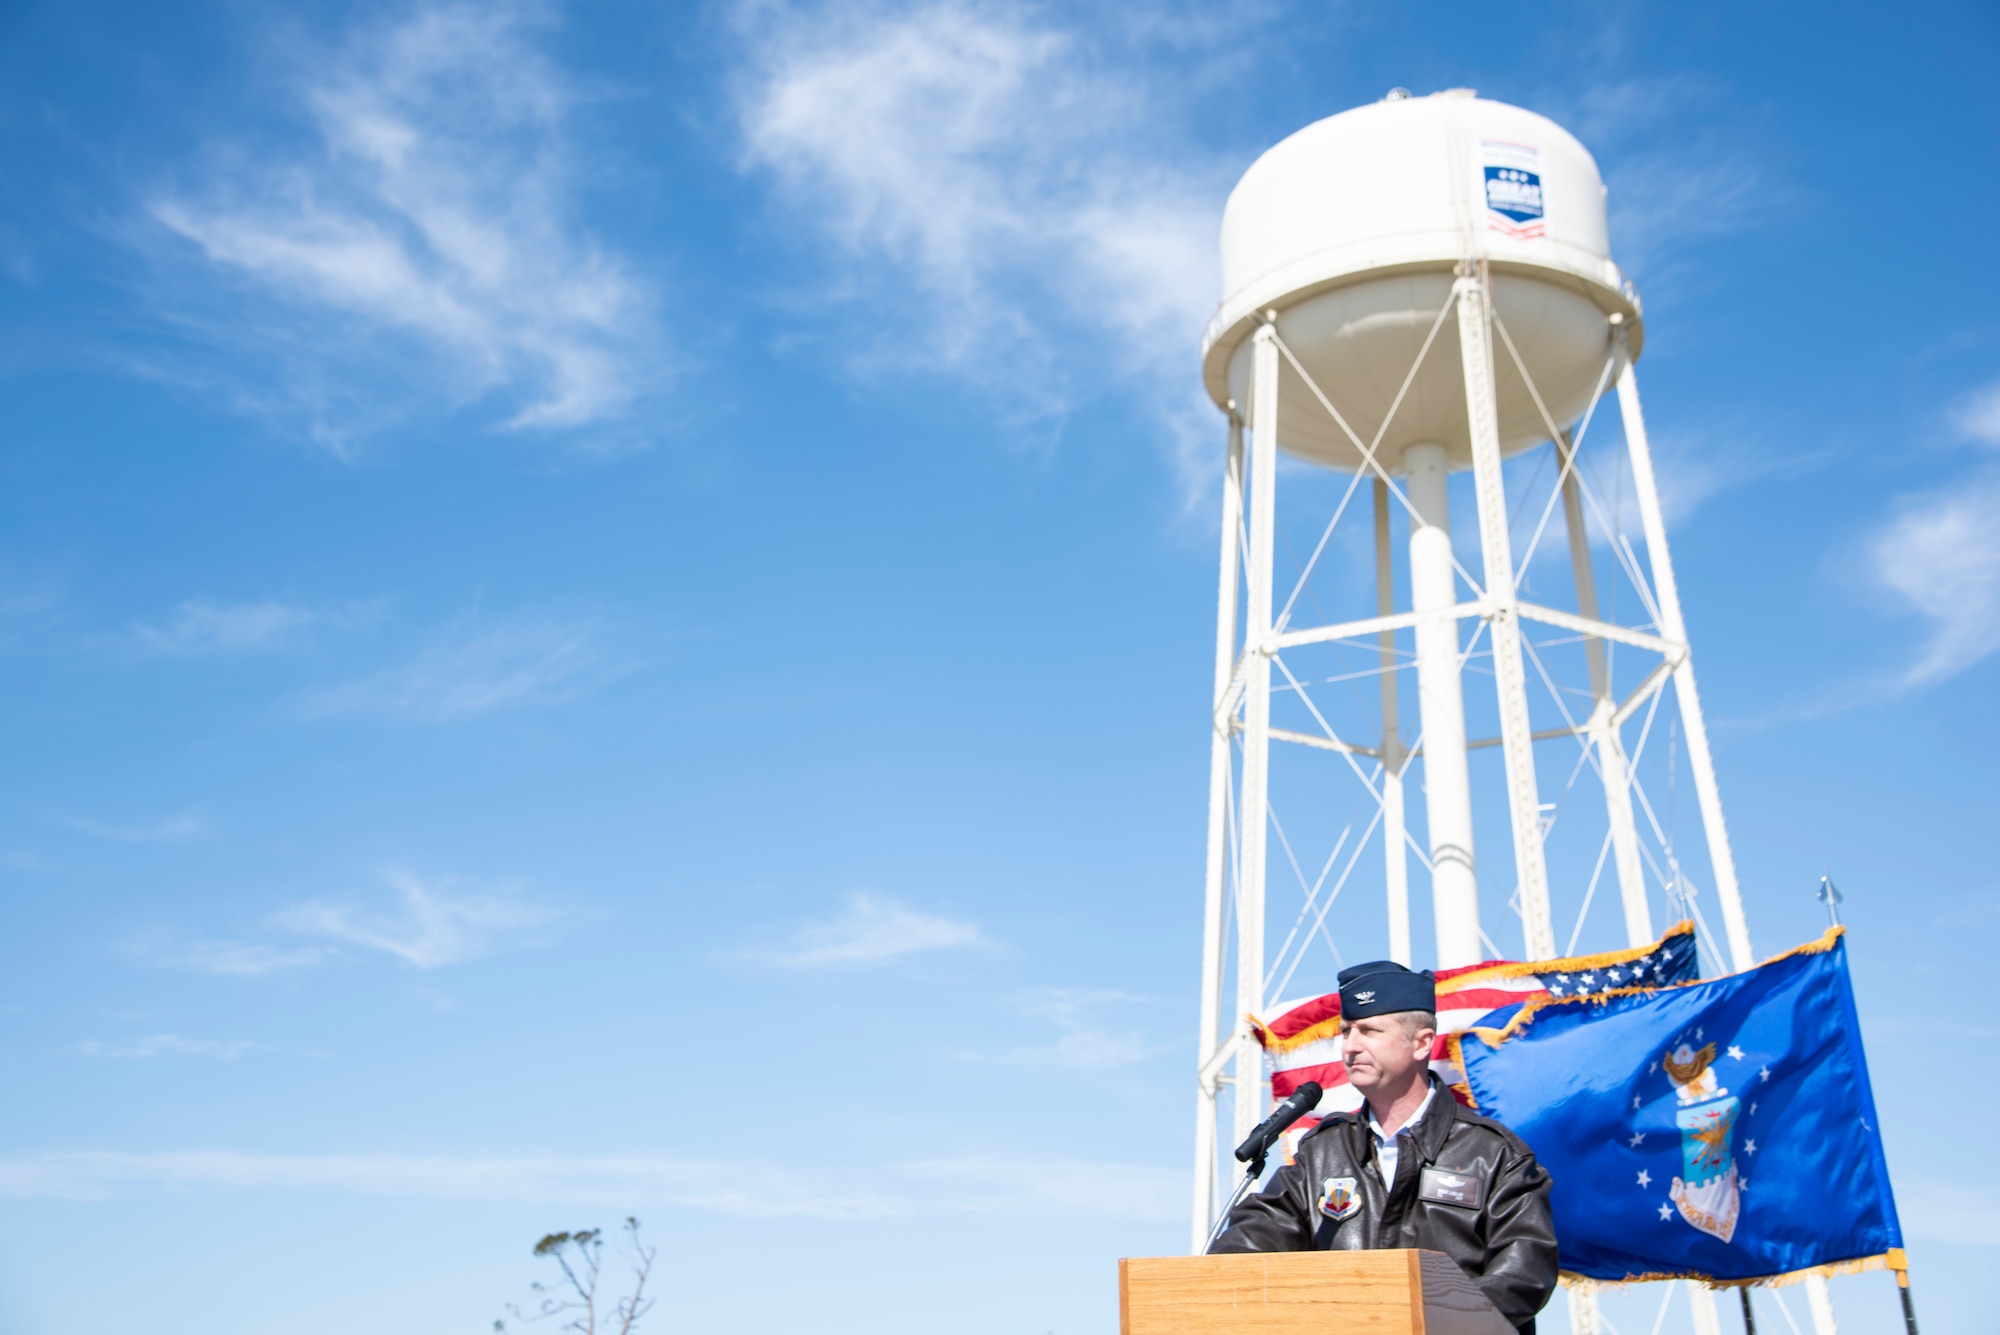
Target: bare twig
{"x":632,"y":1308}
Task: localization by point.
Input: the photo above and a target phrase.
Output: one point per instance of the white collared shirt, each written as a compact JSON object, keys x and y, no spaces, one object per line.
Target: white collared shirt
{"x":1386,"y":1151}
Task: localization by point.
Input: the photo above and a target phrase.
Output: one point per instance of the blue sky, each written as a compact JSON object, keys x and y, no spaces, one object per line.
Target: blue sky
{"x":607,"y":609}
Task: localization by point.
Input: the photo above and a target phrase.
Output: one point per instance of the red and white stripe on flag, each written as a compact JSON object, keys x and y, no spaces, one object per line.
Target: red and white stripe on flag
{"x":1301,"y":1039}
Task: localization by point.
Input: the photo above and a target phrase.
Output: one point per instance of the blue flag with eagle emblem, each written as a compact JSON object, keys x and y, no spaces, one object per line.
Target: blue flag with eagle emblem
{"x":1719,"y":1130}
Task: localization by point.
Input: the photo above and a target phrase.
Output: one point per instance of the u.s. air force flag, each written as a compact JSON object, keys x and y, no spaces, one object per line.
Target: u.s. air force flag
{"x":1721,"y":1130}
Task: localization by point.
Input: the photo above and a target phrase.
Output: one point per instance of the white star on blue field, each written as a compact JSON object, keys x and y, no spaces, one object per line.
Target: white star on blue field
{"x":607,"y":610}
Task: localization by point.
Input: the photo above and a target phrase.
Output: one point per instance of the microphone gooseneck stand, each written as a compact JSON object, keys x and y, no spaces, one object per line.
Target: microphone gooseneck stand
{"x":1250,"y":1177}
{"x":1256,"y":1150}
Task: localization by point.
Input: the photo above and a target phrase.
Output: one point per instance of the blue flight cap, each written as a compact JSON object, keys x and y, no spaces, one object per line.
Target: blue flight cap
{"x":1383,"y":987}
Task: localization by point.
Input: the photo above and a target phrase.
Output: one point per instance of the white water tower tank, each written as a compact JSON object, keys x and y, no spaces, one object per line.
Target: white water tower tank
{"x":1350,"y":230}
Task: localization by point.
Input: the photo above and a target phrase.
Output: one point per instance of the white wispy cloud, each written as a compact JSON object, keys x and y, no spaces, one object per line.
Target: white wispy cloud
{"x":203,"y":627}
{"x":32,"y":604}
{"x":474,"y":666}
{"x":429,"y":211}
{"x":1094,"y":1031}
{"x":873,"y":929}
{"x":608,"y":1180}
{"x":1088,"y":1187}
{"x":240,"y":959}
{"x":1678,"y":164}
{"x":984,"y":159}
{"x":434,"y":923}
{"x":168,"y":1045}
{"x":1977,"y":416}
{"x":1939,"y":554}
{"x":1695,"y":461}
{"x":430,"y":923}
{"x":200,"y":627}
{"x":182,"y":828}
{"x":1078,"y":1188}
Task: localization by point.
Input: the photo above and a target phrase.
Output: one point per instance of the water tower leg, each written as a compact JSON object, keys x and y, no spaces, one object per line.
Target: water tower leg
{"x":1820,"y":1299}
{"x":1700,"y":762}
{"x":1510,"y":678}
{"x":1611,"y":763}
{"x":1216,"y":888}
{"x":1583,"y":1316}
{"x":1441,"y":705}
{"x":1604,"y":738}
{"x":1395,"y":853}
{"x":1707,"y":1321}
{"x":1249,"y":1089}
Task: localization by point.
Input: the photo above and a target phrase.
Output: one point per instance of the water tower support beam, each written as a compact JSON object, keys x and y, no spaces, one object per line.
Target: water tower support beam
{"x":1255,"y":806}
{"x":1701,"y":763}
{"x":1510,"y":676}
{"x":1396,"y":866}
{"x":1610,"y":747}
{"x":1583,"y":1313}
{"x":1216,"y":888}
{"x":1707,"y":1321}
{"x":1441,"y":710}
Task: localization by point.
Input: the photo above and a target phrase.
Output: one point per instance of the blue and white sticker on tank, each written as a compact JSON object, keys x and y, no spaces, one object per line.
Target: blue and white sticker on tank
{"x":1513,"y":175}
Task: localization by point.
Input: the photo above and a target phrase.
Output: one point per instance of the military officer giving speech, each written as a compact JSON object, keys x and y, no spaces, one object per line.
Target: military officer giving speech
{"x":1411,"y":1168}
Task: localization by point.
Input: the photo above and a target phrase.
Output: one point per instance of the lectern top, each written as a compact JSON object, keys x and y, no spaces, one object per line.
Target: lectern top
{"x":1390,"y":1292}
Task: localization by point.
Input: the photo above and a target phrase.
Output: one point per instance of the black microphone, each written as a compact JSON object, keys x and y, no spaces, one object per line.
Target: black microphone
{"x":1291,"y":1110}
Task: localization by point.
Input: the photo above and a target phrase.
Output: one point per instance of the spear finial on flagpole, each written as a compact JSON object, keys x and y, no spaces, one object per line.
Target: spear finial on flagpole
{"x":1830,"y":896}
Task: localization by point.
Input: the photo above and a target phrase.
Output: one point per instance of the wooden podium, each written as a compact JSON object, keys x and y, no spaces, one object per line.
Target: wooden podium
{"x":1294,"y":1293}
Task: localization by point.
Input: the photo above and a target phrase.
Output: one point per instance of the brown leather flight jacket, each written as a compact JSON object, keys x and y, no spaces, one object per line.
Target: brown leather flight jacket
{"x":1465,"y":1186}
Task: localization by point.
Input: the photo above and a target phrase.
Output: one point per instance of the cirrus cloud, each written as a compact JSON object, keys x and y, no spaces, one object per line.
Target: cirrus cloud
{"x":1939,"y":554}
{"x":475,"y":665}
{"x":986,"y":158}
{"x":872,"y":929}
{"x":432,"y":922}
{"x":422,"y":232}
{"x":845,"y":1192}
{"x":167,"y":1045}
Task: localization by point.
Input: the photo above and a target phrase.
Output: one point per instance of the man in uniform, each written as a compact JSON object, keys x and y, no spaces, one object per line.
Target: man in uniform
{"x":1412,"y":1168}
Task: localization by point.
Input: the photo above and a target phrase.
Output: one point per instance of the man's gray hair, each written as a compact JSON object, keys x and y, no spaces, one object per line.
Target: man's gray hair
{"x":1410,"y":1020}
{"x":1415,"y":1020}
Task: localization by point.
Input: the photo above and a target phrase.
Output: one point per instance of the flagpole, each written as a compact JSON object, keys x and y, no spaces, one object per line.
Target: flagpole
{"x":1909,"y":1310}
{"x":1749,"y":1313}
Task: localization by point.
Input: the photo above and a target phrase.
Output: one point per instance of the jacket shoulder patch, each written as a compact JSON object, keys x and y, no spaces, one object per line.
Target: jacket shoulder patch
{"x":1339,"y":1198}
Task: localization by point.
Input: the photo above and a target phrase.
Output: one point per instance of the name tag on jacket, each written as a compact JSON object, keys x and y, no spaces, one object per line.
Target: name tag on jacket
{"x":1449,"y":1188}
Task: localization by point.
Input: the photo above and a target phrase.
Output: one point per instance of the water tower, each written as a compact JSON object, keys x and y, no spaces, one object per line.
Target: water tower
{"x":1416,"y":290}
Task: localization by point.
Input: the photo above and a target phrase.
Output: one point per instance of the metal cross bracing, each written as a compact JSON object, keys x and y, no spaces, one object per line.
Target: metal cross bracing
{"x":1579,"y":677}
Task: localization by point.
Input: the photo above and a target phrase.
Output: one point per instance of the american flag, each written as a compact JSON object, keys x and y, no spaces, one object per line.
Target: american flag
{"x":1301,"y":1039}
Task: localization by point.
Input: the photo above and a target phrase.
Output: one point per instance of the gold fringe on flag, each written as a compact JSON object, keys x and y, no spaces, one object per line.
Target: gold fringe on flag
{"x":1893,"y":1259}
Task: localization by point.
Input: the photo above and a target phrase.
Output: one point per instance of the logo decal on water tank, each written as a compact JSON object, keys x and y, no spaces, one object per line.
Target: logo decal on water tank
{"x":1513,"y":187}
